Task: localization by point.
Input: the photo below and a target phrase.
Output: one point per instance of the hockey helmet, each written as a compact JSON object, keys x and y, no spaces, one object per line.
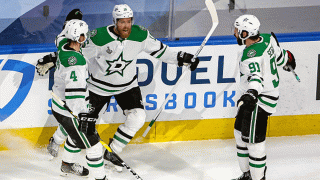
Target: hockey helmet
{"x":75,"y":28}
{"x":248,"y":23}
{"x":121,"y":11}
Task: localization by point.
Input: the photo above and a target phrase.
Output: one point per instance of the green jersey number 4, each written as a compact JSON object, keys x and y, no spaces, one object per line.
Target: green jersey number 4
{"x":73,"y":76}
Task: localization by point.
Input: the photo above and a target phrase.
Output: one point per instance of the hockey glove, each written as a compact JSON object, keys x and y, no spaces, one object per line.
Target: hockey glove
{"x":46,"y":63}
{"x":74,"y":14}
{"x":184,"y":57}
{"x":87,"y":123}
{"x":291,"y":62}
{"x":248,"y":100}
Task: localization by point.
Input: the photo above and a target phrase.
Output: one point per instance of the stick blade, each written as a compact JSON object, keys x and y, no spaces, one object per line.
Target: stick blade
{"x":213,"y":12}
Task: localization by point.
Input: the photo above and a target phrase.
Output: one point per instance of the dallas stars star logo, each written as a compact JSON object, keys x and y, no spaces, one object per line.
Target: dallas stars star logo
{"x":117,"y":65}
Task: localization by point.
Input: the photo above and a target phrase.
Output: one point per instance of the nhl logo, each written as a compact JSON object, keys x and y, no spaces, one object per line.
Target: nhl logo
{"x":109,"y":51}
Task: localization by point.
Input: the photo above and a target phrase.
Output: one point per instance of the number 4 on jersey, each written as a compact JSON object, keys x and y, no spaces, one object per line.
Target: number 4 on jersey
{"x":73,"y":76}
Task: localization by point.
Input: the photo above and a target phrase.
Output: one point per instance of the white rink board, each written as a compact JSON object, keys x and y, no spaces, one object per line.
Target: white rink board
{"x":295,"y":98}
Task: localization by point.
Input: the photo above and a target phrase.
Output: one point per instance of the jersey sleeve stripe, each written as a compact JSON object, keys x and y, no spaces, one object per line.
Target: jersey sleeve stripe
{"x":154,"y":52}
{"x":279,"y":64}
{"x":279,"y":58}
{"x":162,"y":52}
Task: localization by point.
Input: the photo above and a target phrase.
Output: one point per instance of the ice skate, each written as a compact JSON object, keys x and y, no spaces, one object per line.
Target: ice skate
{"x":73,"y":168}
{"x":53,"y":147}
{"x":244,"y":176}
{"x":112,"y":161}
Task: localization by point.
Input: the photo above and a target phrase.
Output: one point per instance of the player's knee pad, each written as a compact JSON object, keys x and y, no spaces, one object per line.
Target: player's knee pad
{"x":60,"y":135}
{"x":135,"y":119}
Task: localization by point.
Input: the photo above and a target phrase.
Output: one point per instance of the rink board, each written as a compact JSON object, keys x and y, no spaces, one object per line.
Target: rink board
{"x":203,"y":129}
{"x":202,"y":107}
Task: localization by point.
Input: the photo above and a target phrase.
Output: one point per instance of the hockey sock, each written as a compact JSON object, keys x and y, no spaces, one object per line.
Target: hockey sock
{"x":95,"y":161}
{"x":242,"y":152}
{"x":257,"y":160}
{"x":70,"y":151}
{"x":60,"y":135}
{"x":121,"y":138}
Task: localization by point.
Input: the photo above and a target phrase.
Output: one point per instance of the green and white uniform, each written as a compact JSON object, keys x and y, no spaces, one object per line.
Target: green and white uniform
{"x":112,"y":59}
{"x":70,"y":80}
{"x":259,"y":70}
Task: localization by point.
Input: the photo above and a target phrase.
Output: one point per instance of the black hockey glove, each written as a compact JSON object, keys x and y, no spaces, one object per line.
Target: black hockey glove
{"x":248,"y":100}
{"x":46,"y":63}
{"x":74,"y":14}
{"x":291,"y":62}
{"x":184,"y":57}
{"x":87,"y":123}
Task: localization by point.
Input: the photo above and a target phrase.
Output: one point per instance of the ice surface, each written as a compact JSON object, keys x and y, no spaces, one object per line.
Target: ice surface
{"x":288,"y":158}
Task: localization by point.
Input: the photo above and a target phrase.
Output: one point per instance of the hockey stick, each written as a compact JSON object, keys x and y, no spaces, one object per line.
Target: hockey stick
{"x":291,"y":69}
{"x":103,"y":143}
{"x":214,"y":18}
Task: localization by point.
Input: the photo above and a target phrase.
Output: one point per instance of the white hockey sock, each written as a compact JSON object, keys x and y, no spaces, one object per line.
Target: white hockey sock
{"x":257,"y":160}
{"x":242,"y":152}
{"x":95,"y":161}
{"x":60,"y":135}
{"x":121,"y":138}
{"x":70,"y":151}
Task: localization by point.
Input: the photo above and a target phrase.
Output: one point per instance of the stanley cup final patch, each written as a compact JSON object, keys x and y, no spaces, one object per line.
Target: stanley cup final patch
{"x":251,"y":53}
{"x":72,"y":60}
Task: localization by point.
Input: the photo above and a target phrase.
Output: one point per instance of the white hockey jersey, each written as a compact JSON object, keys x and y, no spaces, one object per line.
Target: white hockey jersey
{"x":112,"y":59}
{"x":259,"y":70}
{"x":70,"y":78}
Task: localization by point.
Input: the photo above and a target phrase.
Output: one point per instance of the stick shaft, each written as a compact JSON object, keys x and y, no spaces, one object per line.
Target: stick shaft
{"x":164,"y":103}
{"x":214,"y":17}
{"x":294,"y":73}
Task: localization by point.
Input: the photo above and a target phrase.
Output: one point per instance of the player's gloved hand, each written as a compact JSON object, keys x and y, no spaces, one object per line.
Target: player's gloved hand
{"x":46,"y":63}
{"x":87,"y":123}
{"x":291,"y":62}
{"x":248,"y":100}
{"x":74,"y":14}
{"x":185,"y":58}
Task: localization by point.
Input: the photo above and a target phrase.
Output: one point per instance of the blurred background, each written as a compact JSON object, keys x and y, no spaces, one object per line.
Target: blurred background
{"x":39,"y":21}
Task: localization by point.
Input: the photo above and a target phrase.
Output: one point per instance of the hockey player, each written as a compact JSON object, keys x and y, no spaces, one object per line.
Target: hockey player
{"x":112,"y":52}
{"x":259,"y":83}
{"x":43,"y":66}
{"x":71,"y":86}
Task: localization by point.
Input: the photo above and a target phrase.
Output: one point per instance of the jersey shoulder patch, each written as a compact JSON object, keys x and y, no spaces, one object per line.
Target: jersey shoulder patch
{"x":257,"y":49}
{"x":138,"y":33}
{"x":100,"y":36}
{"x":71,"y":58}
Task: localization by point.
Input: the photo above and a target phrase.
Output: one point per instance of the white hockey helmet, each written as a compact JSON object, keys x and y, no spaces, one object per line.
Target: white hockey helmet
{"x":248,"y":23}
{"x":75,"y":28}
{"x":121,"y":11}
